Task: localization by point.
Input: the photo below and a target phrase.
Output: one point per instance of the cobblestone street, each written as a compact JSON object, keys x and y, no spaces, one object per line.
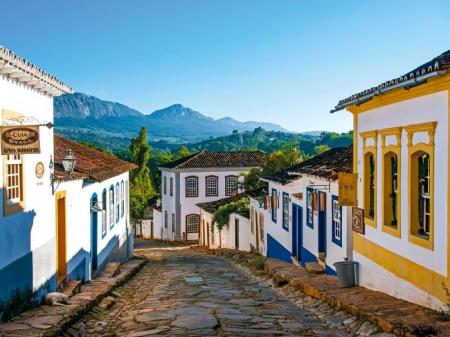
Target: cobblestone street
{"x":181,"y":292}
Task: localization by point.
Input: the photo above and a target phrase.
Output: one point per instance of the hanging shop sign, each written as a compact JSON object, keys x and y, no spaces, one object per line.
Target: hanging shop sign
{"x":20,"y":140}
{"x":348,"y":195}
{"x":358,"y":220}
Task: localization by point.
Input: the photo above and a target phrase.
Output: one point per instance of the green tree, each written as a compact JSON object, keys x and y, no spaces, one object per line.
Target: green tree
{"x":321,"y":148}
{"x":141,"y":185}
{"x":183,"y":151}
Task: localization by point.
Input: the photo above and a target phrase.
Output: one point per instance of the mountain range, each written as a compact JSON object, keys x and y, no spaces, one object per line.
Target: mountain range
{"x":82,"y":116}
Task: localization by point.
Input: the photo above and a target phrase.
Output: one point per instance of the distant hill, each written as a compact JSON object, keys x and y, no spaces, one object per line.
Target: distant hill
{"x":82,"y":116}
{"x":269,"y":141}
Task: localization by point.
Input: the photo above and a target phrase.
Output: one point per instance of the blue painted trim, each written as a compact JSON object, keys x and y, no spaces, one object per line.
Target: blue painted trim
{"x":285,"y":225}
{"x":334,"y":239}
{"x":104,"y":205}
{"x":274,"y":210}
{"x":307,"y":256}
{"x":322,"y":226}
{"x":330,"y":271}
{"x":277,"y":250}
{"x":111,"y":225}
{"x":309,"y":219}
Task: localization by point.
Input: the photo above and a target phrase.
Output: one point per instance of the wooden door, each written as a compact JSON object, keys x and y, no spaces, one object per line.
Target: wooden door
{"x":322,"y":224}
{"x":236,"y":233}
{"x":61,"y":240}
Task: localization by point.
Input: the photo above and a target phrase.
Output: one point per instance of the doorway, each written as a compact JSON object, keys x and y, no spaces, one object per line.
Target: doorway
{"x":322,"y":233}
{"x":61,"y":240}
{"x":236,"y":233}
{"x":297,"y":232}
{"x":94,"y":235}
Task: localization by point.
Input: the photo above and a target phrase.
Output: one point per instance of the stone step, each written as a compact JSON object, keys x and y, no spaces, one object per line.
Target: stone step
{"x":71,"y":288}
{"x":314,"y":268}
{"x":110,"y":270}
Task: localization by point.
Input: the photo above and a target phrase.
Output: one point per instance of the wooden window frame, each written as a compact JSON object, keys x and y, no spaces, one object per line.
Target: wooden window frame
{"x":387,"y":151}
{"x":186,"y":187}
{"x":367,"y":151}
{"x":334,"y":238}
{"x":216,"y":178}
{"x":413,"y":149}
{"x":112,"y":207}
{"x":20,"y":205}
{"x":187,"y":224}
{"x":235,"y":189}
{"x":274,"y":209}
{"x":285,"y":212}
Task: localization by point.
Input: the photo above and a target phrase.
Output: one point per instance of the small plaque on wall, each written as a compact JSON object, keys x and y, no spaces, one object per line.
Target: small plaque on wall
{"x":348,"y":189}
{"x":358,"y":220}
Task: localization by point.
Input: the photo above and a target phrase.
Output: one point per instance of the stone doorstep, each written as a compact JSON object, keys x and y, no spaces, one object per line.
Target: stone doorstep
{"x":51,"y":321}
{"x":390,"y":314}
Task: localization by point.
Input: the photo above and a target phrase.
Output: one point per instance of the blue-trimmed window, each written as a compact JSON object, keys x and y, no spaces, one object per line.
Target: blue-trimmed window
{"x":336,"y":236}
{"x":111,"y":206}
{"x":286,"y":211}
{"x":309,"y":208}
{"x":122,"y":199}
{"x":104,"y":206}
{"x":117,"y":202}
{"x":274,"y":204}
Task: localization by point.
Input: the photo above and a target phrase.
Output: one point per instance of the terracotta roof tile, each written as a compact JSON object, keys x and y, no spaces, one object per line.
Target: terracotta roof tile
{"x":91,"y":164}
{"x":205,"y":159}
{"x":326,"y":165}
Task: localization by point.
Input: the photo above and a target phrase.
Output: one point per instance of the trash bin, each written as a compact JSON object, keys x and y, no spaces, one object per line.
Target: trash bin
{"x":346,"y":273}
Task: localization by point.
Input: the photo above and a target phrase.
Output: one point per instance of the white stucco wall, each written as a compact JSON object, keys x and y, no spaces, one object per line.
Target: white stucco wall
{"x":78,"y":223}
{"x":256,"y":235}
{"x":429,"y":108}
{"x":30,"y":234}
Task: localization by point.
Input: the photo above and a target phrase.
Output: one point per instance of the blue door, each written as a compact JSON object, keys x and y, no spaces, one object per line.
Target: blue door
{"x":297,"y":231}
{"x":94,"y":236}
{"x":322,"y":228}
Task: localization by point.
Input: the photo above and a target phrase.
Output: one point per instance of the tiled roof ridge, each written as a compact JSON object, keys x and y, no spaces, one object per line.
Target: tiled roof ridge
{"x":438,"y":65}
{"x":99,"y":170}
{"x":195,"y":155}
{"x":7,"y":57}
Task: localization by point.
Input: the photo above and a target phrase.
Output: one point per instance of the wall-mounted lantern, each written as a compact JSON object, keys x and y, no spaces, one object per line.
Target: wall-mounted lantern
{"x":69,"y":161}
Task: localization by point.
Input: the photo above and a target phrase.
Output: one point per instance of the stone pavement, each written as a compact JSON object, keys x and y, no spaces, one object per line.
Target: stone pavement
{"x":181,"y":292}
{"x":47,"y":320}
{"x":390,"y":314}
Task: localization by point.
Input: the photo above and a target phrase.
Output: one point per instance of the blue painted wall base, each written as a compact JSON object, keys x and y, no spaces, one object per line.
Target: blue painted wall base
{"x":277,"y":250}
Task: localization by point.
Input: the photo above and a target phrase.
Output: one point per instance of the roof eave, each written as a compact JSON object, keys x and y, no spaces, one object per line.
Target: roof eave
{"x":379,"y":91}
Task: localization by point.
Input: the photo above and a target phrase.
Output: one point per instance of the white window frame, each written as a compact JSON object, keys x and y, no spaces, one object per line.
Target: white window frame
{"x":231,"y":187}
{"x":337,"y":220}
{"x":14,"y":180}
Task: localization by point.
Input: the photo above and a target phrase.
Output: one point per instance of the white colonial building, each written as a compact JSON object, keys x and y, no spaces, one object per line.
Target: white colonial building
{"x":27,"y":225}
{"x":401,"y":155}
{"x":303,"y":222}
{"x":201,"y":177}
{"x":51,"y":225}
{"x":92,"y":211}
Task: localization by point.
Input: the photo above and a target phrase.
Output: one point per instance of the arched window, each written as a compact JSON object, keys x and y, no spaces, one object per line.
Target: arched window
{"x":122,"y":197}
{"x":171,"y":186}
{"x":391,"y":206}
{"x":104,"y":206}
{"x":192,"y":223}
{"x":191,"y":187}
{"x":111,"y":206}
{"x":231,"y":186}
{"x":165,"y":185}
{"x":117,"y":202}
{"x":421,"y":194}
{"x":370,"y":185}
{"x":211,"y":183}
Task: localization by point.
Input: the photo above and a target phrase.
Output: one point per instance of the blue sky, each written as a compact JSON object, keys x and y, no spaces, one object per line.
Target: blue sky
{"x":282,"y":61}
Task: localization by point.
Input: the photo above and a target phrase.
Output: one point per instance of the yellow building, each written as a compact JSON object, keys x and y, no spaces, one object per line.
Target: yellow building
{"x":401,"y":152}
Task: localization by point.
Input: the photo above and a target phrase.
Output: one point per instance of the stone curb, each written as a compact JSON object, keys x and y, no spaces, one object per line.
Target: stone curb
{"x":52,"y":321}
